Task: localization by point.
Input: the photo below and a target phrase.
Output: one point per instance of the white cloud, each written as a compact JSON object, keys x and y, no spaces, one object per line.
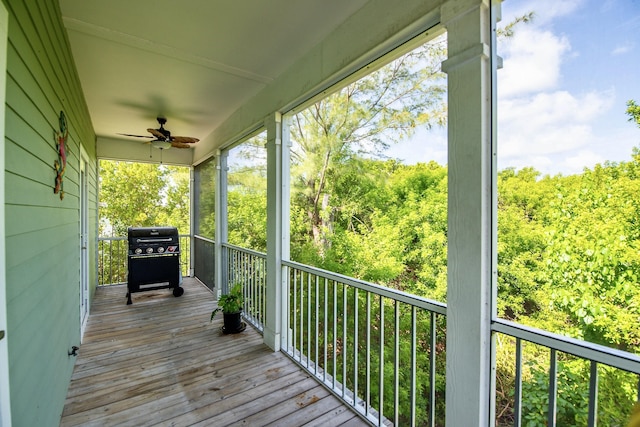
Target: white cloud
{"x":545,"y":11}
{"x":622,"y":49}
{"x":536,"y":130}
{"x":532,"y":60}
{"x":584,"y":158}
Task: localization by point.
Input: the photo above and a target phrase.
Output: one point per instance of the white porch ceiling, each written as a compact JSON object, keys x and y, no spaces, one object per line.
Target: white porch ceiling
{"x":193,"y":61}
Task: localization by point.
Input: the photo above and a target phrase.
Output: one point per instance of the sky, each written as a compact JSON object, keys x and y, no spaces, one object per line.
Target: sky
{"x":562,"y":92}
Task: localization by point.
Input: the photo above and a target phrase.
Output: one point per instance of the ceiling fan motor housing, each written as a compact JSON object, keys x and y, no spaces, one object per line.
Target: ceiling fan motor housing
{"x":162,"y":120}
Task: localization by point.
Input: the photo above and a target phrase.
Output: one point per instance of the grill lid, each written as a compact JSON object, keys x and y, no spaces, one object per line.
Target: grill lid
{"x":152,"y":232}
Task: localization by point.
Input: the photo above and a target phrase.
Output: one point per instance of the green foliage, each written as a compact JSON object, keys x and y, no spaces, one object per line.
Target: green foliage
{"x":571,"y":400}
{"x":247,"y":195}
{"x":509,"y":29}
{"x":205,"y":199}
{"x":633,"y":111}
{"x":142,"y":195}
{"x":615,"y":395}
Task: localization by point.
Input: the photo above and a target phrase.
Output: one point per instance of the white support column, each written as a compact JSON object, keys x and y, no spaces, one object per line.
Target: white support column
{"x":471,"y":221}
{"x":277,"y":229}
{"x":221,"y":220}
{"x":193,"y":191}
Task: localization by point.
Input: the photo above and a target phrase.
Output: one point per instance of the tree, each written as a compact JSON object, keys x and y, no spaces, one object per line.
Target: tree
{"x":360,"y":120}
{"x":142,"y":195}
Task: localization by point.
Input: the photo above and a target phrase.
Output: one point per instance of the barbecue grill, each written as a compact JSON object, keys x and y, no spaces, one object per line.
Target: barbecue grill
{"x":154,"y":260}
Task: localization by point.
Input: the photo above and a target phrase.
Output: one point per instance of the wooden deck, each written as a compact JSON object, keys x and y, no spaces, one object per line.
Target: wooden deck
{"x":161,"y":362}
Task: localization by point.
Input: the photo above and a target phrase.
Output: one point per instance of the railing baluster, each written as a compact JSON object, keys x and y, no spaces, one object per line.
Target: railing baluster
{"x":517,"y":398}
{"x":432,"y":370}
{"x":301,"y":315}
{"x":413,"y":366}
{"x":326,"y":322}
{"x":381,"y":366}
{"x":344,"y":340}
{"x":316,"y":315}
{"x":246,"y":280}
{"x":335,"y":331}
{"x":251,"y":282}
{"x":553,"y":388}
{"x":367,"y":392}
{"x":396,"y":363}
{"x":593,"y":395}
{"x":294,"y":330}
{"x":308,"y":318}
{"x":356,"y":338}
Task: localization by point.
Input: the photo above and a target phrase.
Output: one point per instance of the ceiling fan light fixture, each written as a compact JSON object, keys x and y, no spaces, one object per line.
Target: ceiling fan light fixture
{"x":162,"y":145}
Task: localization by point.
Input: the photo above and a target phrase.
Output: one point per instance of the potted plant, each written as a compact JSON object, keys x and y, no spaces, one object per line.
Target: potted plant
{"x":231,"y":306}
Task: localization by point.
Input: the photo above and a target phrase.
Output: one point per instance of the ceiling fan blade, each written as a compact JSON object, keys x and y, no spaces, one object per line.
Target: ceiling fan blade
{"x":157,"y":133}
{"x":136,"y":136}
{"x":184,"y":139}
{"x":178,"y":144}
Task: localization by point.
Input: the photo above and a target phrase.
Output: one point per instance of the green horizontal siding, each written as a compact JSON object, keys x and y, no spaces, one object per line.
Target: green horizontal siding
{"x":42,"y":231}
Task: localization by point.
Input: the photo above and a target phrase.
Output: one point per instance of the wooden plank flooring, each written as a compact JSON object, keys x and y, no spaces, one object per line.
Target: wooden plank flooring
{"x":161,"y":362}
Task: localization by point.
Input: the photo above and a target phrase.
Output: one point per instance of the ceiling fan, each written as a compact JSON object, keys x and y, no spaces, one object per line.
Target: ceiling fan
{"x":163,"y":138}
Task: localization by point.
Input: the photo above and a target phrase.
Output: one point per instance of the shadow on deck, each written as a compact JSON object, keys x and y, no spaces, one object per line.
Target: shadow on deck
{"x":161,"y":362}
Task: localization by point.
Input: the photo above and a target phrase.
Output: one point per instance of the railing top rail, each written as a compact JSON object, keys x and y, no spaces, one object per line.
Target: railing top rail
{"x":197,"y":236}
{"x":424,"y":303}
{"x":244,"y":250}
{"x":598,"y":353}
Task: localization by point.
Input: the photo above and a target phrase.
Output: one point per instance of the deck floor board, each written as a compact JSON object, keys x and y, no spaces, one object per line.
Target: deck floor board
{"x":161,"y":362}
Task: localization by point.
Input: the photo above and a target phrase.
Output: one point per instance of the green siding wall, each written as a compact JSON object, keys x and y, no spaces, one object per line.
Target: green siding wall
{"x":42,"y":231}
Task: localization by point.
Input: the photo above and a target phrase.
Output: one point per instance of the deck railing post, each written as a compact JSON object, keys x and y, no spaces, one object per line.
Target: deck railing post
{"x":221,"y":221}
{"x":277,"y":230}
{"x":471,"y":221}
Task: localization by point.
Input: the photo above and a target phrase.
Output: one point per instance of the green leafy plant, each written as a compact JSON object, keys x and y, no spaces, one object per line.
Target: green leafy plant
{"x":231,"y":302}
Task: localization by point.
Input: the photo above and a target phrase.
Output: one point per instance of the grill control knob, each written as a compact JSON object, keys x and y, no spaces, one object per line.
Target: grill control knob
{"x":160,"y":249}
{"x":149,"y":250}
{"x":138,"y":251}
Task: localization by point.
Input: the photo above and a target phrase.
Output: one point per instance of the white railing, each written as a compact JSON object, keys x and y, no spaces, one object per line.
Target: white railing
{"x":112,"y":259}
{"x":572,"y":370}
{"x":378,"y":349}
{"x":248,"y":268}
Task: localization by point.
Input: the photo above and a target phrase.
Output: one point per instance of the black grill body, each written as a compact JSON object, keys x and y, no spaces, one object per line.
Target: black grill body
{"x":154,"y":260}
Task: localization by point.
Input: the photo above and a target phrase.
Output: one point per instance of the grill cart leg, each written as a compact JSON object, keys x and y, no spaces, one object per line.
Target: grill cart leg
{"x":129,"y":302}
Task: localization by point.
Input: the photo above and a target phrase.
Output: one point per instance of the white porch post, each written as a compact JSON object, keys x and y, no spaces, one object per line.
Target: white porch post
{"x":471,"y":221}
{"x":277,"y":229}
{"x":221,"y":221}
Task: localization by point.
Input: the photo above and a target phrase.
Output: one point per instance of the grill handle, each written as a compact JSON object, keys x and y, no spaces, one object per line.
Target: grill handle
{"x":154,"y":240}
